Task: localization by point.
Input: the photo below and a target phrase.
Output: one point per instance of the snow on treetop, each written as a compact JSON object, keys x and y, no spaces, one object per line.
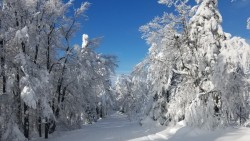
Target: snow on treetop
{"x":206,"y":1}
{"x":171,"y":2}
{"x":85,"y":40}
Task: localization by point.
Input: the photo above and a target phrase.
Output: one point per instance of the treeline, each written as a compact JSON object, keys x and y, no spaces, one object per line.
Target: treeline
{"x":45,"y":81}
{"x":194,"y":71}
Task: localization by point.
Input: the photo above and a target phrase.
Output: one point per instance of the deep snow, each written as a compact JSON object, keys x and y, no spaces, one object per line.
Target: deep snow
{"x":117,"y":127}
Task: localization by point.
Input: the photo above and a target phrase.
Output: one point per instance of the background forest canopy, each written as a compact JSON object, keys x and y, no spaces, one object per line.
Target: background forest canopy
{"x":194,"y":71}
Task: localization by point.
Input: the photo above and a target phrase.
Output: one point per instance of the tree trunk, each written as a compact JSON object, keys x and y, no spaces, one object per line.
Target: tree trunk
{"x":3,"y":66}
{"x":40,"y":126}
{"x":36,"y":54}
{"x":17,"y":97}
{"x":240,"y":116}
{"x":58,"y":92}
{"x":3,"y":76}
{"x":48,"y":54}
{"x":23,"y":47}
{"x":50,"y":126}
{"x":25,"y":107}
{"x":46,"y":128}
{"x":39,"y":120}
{"x":26,"y":121}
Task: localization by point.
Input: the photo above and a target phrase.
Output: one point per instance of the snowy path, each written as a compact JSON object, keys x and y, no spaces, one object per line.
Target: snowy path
{"x":118,"y":128}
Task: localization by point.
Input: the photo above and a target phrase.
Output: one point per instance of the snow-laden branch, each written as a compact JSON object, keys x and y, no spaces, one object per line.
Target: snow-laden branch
{"x":205,"y":93}
{"x":180,"y":72}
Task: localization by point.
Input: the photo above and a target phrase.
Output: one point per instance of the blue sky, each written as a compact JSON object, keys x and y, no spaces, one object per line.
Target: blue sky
{"x":118,"y":21}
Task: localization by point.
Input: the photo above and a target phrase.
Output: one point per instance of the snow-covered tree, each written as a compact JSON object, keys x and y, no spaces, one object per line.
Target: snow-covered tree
{"x":42,"y":75}
{"x":188,"y":71}
{"x":206,"y":37}
{"x":167,"y":36}
{"x":233,"y":70}
{"x":87,"y":83}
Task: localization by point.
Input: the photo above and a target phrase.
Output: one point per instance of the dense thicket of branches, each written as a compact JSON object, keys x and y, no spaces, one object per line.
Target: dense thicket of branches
{"x":193,"y":71}
{"x":45,"y":81}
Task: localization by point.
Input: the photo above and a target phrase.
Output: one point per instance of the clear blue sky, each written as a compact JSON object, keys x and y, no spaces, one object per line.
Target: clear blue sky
{"x":118,"y":22}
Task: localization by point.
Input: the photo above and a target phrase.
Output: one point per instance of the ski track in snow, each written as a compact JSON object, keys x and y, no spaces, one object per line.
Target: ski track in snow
{"x":117,"y":127}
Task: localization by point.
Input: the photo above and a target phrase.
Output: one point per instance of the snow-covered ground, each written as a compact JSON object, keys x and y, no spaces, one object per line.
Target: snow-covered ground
{"x":117,"y":127}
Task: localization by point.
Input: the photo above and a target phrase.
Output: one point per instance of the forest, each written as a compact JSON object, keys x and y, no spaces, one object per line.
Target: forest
{"x":193,"y":71}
